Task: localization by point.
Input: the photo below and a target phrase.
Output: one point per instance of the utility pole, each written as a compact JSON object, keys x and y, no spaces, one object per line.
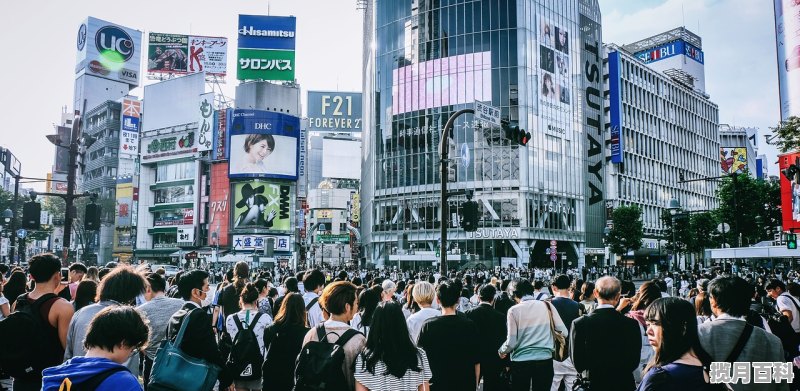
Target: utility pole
{"x":444,"y":153}
{"x":69,"y":198}
{"x":14,"y":221}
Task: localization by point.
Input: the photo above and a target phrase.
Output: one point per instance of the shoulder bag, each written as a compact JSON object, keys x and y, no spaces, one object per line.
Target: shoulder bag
{"x":560,"y":352}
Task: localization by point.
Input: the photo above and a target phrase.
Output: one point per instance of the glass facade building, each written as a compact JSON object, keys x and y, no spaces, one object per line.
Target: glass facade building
{"x":540,"y":63}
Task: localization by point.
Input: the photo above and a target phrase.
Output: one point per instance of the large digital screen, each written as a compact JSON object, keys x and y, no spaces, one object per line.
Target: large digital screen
{"x":447,"y":81}
{"x":263,"y":205}
{"x":264,"y":144}
{"x":341,"y":158}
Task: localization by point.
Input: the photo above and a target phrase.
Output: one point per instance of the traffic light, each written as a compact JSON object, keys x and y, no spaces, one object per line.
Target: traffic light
{"x":792,"y":172}
{"x":516,"y":135}
{"x":469,"y":216}
{"x":91,"y":220}
{"x":791,"y":241}
{"x":31,"y":215}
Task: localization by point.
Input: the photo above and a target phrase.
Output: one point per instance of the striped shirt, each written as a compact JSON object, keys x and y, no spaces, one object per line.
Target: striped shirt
{"x":529,"y":336}
{"x":381,"y":381}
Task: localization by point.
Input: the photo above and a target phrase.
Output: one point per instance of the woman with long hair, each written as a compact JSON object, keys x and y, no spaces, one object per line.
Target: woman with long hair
{"x":588,"y":301}
{"x":368,"y":299}
{"x":85,"y":294}
{"x":647,"y":294}
{"x":283,"y":341}
{"x":15,"y":286}
{"x":702,"y":306}
{"x":410,"y":306}
{"x":672,"y":332}
{"x":248,"y":318}
{"x":93,"y":274}
{"x":229,"y":298}
{"x":390,"y":361}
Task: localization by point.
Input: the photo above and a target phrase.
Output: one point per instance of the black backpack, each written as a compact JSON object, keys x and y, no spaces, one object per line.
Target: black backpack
{"x":319,"y":365}
{"x":91,"y":383}
{"x":245,"y":359}
{"x":27,"y":340}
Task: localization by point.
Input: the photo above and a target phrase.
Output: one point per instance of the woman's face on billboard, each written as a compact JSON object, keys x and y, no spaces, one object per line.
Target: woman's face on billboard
{"x":259,"y":151}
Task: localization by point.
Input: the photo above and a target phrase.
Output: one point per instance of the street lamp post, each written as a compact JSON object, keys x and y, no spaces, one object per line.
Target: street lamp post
{"x":674,"y":207}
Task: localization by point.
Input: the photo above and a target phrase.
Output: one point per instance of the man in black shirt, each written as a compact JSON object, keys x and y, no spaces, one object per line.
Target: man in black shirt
{"x":568,"y":310}
{"x":491,"y":326}
{"x":504,"y":301}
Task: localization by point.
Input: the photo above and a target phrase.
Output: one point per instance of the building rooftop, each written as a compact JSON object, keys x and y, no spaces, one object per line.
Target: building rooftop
{"x":665,"y":37}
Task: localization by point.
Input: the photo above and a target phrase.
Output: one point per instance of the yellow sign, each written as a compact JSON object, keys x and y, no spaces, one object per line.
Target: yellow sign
{"x":355,"y":213}
{"x":324,"y":213}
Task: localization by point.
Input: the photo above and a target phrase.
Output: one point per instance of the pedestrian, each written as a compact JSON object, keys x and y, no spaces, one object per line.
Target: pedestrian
{"x":409,"y":305}
{"x":702,"y":306}
{"x":568,"y":310}
{"x":283,"y":341}
{"x":588,"y":301}
{"x":158,"y":310}
{"x":504,"y":300}
{"x":313,"y":282}
{"x":367,"y":302}
{"x":15,"y":286}
{"x":538,"y":290}
{"x":390,"y":361}
{"x":85,"y":295}
{"x":113,"y":335}
{"x":250,"y":318}
{"x":229,"y":297}
{"x":5,"y":308}
{"x":647,"y":294}
{"x":423,"y":294}
{"x":264,"y":304}
{"x":67,"y":290}
{"x":491,"y":325}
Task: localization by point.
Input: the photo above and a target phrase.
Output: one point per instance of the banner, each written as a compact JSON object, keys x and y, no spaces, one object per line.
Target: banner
{"x":205,"y":122}
{"x":124,"y":233}
{"x":221,"y":119}
{"x":266,"y":47}
{"x":183,"y":216}
{"x":334,"y":111}
{"x":167,"y":53}
{"x":129,"y":129}
{"x":264,"y":144}
{"x":733,"y":160}
{"x":256,"y":64}
{"x":161,"y":147}
{"x":219,"y":205}
{"x":257,"y":242}
{"x":186,"y":235}
{"x":355,"y":209}
{"x":109,"y":51}
{"x":263,"y":205}
{"x":209,"y":55}
{"x":787,"y":25}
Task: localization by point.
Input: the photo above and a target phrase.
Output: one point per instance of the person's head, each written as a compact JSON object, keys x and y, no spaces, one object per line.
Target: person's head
{"x":702,"y":284}
{"x":76,"y":272}
{"x":292,"y":310}
{"x":45,"y":268}
{"x":448,"y":293}
{"x":423,"y":293}
{"x":547,"y":84}
{"x":155,"y":284}
{"x":263,"y":287}
{"x":258,"y":147}
{"x":607,"y":289}
{"x":504,"y":286}
{"x":587,"y":291}
{"x":775,"y":288}
{"x":240,"y":274}
{"x":313,"y":280}
{"x":389,"y":288}
{"x":122,"y":285}
{"x":85,"y":294}
{"x":702,"y":305}
{"x":487,"y":293}
{"x":368,"y":299}
{"x":291,"y":284}
{"x":249,"y":295}
{"x":522,"y":288}
{"x":193,"y":286}
{"x":339,"y":299}
{"x":561,"y":282}
{"x":671,"y":329}
{"x":117,"y":331}
{"x":729,"y":295}
{"x":92,"y":273}
{"x":388,"y":341}
{"x":538,"y":285}
{"x":15,"y":283}
{"x":648,"y":293}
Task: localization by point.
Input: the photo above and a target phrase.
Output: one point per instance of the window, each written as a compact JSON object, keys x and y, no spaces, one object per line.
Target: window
{"x":175,"y":171}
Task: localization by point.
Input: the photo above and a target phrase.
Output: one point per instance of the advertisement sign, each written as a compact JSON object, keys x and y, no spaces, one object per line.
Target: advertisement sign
{"x":219,"y":205}
{"x":323,"y":213}
{"x":255,"y":64}
{"x":266,"y":47}
{"x":615,"y":105}
{"x":221,"y":119}
{"x":341,"y":158}
{"x":129,"y":129}
{"x":186,"y":235}
{"x":109,"y":51}
{"x":329,"y":239}
{"x":334,"y":111}
{"x":671,"y":49}
{"x":263,"y":205}
{"x":176,"y":144}
{"x":787,"y":26}
{"x":264,"y":144}
{"x":123,"y":221}
{"x":62,"y":154}
{"x":209,"y":55}
{"x":555,"y":87}
{"x":733,"y":160}
{"x":167,"y":53}
{"x":257,"y":242}
{"x":790,"y":194}
{"x":205,"y":122}
{"x":355,"y":208}
{"x":183,"y":216}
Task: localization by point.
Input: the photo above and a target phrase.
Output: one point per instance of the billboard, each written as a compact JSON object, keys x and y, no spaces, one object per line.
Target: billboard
{"x":341,"y":158}
{"x":787,"y":25}
{"x":219,"y":205}
{"x":257,"y":242}
{"x":447,"y":81}
{"x":62,"y":154}
{"x":221,"y":122}
{"x":123,"y":222}
{"x":733,"y":160}
{"x":555,"y":80}
{"x":183,"y":54}
{"x":162,"y":147}
{"x":109,"y":51}
{"x":667,"y":50}
{"x":129,"y":129}
{"x":264,"y":144}
{"x":266,"y":47}
{"x":790,"y":194}
{"x":615,"y":105}
{"x":205,"y":122}
{"x":263,"y":205}
{"x":334,"y":111}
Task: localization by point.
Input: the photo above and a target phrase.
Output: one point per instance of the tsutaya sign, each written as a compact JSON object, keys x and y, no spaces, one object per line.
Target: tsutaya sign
{"x":494,"y":233}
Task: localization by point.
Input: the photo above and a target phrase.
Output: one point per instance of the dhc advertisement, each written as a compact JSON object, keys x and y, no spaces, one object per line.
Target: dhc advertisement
{"x":615,"y":103}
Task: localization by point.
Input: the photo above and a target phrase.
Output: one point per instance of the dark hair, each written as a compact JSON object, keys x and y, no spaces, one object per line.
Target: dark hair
{"x":43,"y":266}
{"x":538,"y":284}
{"x":240,"y":273}
{"x":292,"y":311}
{"x":793,"y":288}
{"x":15,"y":285}
{"x":357,"y":281}
{"x":116,"y":325}
{"x":78,"y":267}
{"x":523,"y":288}
{"x":388,"y":341}
{"x":249,"y":293}
{"x":587,"y":290}
{"x":253,"y":139}
{"x":85,"y":294}
{"x":335,"y":296}
{"x":448,"y":293}
{"x":367,"y":302}
{"x":121,"y":285}
{"x":731,"y":294}
{"x":504,"y":285}
{"x":561,"y":282}
{"x":272,"y":292}
{"x":647,"y":294}
{"x":190,"y":281}
{"x":772,"y":284}
{"x":679,"y":325}
{"x":487,"y":292}
{"x":313,"y":279}
{"x":291,"y":284}
{"x":103,"y":273}
{"x":261,"y":284}
{"x":157,"y":282}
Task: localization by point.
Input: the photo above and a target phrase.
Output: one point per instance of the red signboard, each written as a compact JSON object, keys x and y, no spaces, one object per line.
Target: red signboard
{"x":219,"y":207}
{"x":790,"y":194}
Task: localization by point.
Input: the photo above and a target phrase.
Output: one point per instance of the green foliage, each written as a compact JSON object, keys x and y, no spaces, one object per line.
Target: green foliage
{"x":750,"y":206}
{"x":788,"y":135}
{"x":626,"y":235}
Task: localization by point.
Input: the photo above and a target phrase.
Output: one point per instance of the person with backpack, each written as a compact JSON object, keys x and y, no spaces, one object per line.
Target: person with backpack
{"x":157,"y":310}
{"x":35,"y":333}
{"x":283,"y":341}
{"x":313,"y":281}
{"x":229,"y":297}
{"x":246,"y":329}
{"x":330,"y":349}
{"x":114,"y":334}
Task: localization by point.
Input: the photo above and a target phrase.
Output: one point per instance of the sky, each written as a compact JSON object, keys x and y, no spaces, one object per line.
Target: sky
{"x":37,"y":73}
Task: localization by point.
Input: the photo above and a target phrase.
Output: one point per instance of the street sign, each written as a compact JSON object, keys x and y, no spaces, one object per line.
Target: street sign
{"x":553,"y":243}
{"x":553,"y":256}
{"x":21,"y":233}
{"x":723,"y":227}
{"x":487,"y":113}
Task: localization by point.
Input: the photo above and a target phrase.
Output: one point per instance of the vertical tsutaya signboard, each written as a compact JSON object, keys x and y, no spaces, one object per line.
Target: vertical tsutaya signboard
{"x":615,"y":103}
{"x":219,"y":205}
{"x":263,"y":144}
{"x":266,"y":47}
{"x":129,"y":129}
{"x":593,"y":124}
{"x":123,"y":230}
{"x":334,"y":111}
{"x":263,"y":205}
{"x":787,"y":24}
{"x":109,"y":51}
{"x":205,"y":122}
{"x":790,"y":194}
{"x":186,"y":54}
{"x":733,"y":160}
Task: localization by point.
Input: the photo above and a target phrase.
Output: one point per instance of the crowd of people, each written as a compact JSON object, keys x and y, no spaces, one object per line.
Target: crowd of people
{"x":121,"y":327}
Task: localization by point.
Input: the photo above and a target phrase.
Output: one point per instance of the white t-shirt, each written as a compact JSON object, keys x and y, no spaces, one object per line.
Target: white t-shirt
{"x":784,"y":302}
{"x":263,"y":322}
{"x":315,"y":312}
{"x":416,"y":320}
{"x":3,"y":300}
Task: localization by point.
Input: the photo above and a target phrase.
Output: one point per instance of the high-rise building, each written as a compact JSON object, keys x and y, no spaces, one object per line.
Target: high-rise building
{"x":540,"y":63}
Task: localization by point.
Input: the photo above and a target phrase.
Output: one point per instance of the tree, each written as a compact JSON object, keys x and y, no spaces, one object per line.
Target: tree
{"x":627,"y":232}
{"x":788,"y":135}
{"x":57,"y":207}
{"x":679,"y":241}
{"x":751,"y":207}
{"x":703,"y":228}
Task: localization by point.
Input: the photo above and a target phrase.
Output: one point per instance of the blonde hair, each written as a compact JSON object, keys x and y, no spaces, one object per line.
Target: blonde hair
{"x":423,"y":292}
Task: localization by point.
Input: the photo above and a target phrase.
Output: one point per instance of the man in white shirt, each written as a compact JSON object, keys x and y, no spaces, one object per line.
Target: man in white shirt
{"x":313,"y":282}
{"x":787,"y":304}
{"x":423,"y":294}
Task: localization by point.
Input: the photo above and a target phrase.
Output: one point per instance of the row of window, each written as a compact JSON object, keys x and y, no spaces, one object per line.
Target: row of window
{"x":175,"y":171}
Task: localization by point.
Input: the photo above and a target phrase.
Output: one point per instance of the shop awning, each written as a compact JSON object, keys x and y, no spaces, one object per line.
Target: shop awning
{"x":163,"y":230}
{"x":179,"y":205}
{"x":164,"y":185}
